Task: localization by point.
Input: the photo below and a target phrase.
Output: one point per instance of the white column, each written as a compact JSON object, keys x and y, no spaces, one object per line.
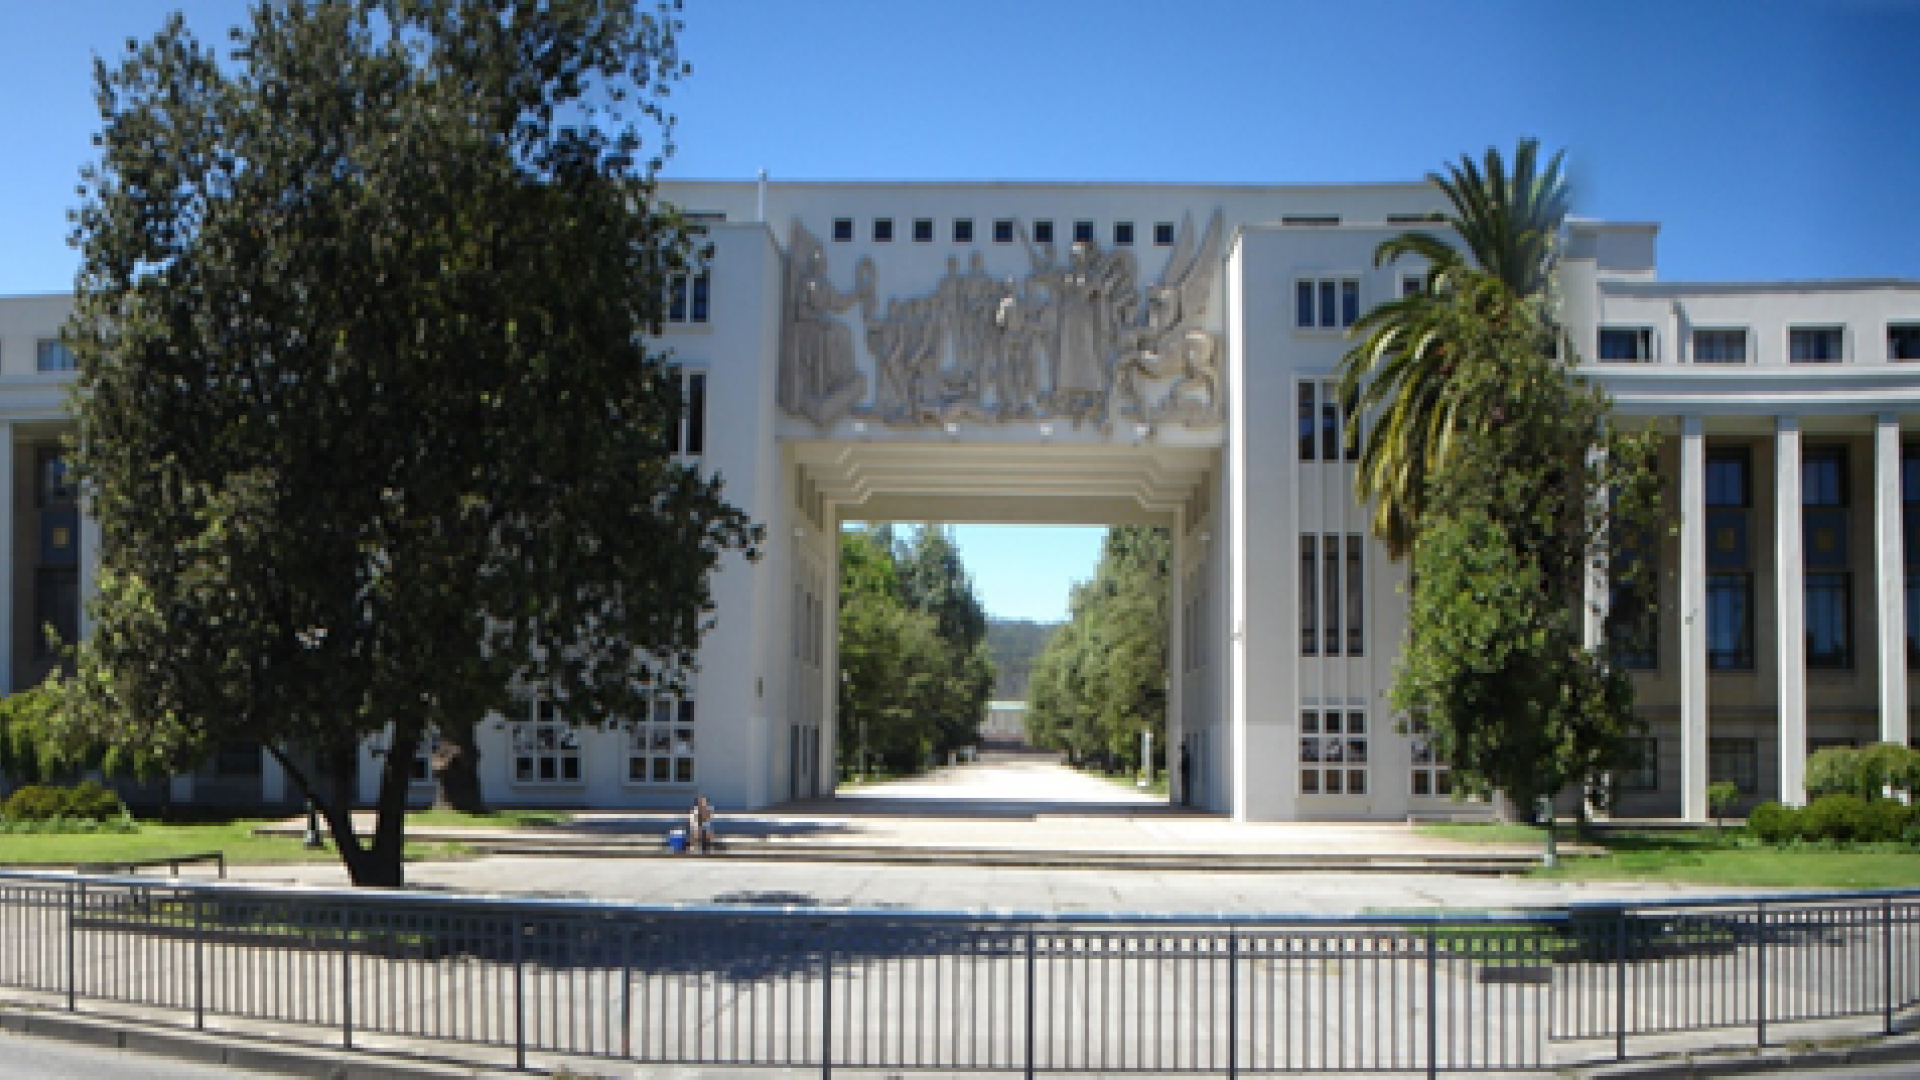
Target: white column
{"x":1693,"y":619}
{"x":1790,"y":615}
{"x":9,"y":526}
{"x":1889,"y":577}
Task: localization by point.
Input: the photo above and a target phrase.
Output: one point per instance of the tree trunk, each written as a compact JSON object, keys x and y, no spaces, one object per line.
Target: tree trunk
{"x":379,"y":862}
{"x":456,"y":769}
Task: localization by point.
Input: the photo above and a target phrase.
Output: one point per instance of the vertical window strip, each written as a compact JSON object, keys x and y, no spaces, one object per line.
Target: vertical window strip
{"x":1309,"y":596}
{"x":1330,"y":596}
{"x":1356,"y":597}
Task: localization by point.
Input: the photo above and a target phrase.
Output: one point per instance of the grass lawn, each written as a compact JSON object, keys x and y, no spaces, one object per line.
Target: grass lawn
{"x":234,"y":839}
{"x":1706,"y":857}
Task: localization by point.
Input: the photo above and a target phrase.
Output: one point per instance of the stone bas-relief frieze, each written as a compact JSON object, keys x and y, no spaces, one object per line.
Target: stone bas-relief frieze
{"x":1077,"y":339}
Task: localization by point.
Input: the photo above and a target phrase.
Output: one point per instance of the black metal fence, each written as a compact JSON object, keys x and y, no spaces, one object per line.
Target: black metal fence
{"x":1425,"y":992}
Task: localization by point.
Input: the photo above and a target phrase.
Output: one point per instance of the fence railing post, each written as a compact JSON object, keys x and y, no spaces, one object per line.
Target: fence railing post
{"x":1621,"y":945}
{"x":1032,"y":985}
{"x":826,"y":1001}
{"x":1233,"y":1002}
{"x":1433,"y":1003}
{"x":1760,"y":975}
{"x":76,"y":897}
{"x":199,"y":963}
{"x":519,"y":993}
{"x":1886,"y":966}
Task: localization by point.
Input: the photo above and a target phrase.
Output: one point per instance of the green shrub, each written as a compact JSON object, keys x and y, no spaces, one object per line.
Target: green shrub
{"x":1839,"y":818}
{"x":1774,"y":823}
{"x":1886,"y":820}
{"x":42,"y":802}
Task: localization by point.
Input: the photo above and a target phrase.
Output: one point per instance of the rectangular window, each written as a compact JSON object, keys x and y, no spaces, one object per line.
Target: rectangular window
{"x":1815,"y":344}
{"x":963,"y":230}
{"x":843,"y":229}
{"x":1309,"y":596}
{"x":1719,"y":346}
{"x":1412,"y":285}
{"x":1309,"y":446}
{"x":690,"y":437}
{"x":546,"y":749}
{"x":1728,"y":483}
{"x":1823,"y":476}
{"x":1645,"y":773}
{"x":1430,"y":777}
{"x":660,"y":746}
{"x":923,"y":230}
{"x":1627,"y":343}
{"x":1633,"y":625}
{"x":53,"y":478}
{"x":1903,"y":341}
{"x":56,"y":609}
{"x":1310,"y":219}
{"x":1736,"y":760}
{"x":55,"y":356}
{"x":1829,"y":617}
{"x":1326,"y":303}
{"x":1003,"y":231}
{"x":1730,"y":621}
{"x":1123,"y":234}
{"x":1043,"y":232}
{"x":688,"y":298}
{"x":883,"y":229}
{"x":1356,"y":596}
{"x":1329,"y":425}
{"x":1330,"y":593}
{"x":1163,"y":234}
{"x":1083,"y":232}
{"x":1333,"y":752}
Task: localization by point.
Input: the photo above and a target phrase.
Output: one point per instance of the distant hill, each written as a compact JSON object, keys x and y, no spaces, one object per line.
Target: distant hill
{"x":1014,"y":643}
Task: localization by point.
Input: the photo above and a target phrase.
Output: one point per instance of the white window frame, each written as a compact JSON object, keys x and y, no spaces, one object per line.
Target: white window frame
{"x":662,"y":746}
{"x":1425,"y":763}
{"x":691,"y":430}
{"x":1342,"y":315}
{"x":1334,"y":753}
{"x":545,"y":736}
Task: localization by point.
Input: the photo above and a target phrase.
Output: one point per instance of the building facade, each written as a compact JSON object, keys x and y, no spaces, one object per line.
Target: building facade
{"x":1165,"y":355}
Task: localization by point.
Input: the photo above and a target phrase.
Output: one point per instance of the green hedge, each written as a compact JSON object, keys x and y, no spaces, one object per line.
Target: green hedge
{"x":1839,"y":819}
{"x":86,"y":801}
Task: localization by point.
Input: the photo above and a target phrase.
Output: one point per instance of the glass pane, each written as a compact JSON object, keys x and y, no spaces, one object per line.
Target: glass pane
{"x":683,"y":770}
{"x":660,"y":769}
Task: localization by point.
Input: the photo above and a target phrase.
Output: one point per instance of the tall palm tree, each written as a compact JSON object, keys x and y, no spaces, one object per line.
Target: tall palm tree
{"x":1395,"y":378}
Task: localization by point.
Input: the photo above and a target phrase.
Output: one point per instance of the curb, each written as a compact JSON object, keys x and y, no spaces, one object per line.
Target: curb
{"x":229,"y":1051}
{"x":1872,"y":1050}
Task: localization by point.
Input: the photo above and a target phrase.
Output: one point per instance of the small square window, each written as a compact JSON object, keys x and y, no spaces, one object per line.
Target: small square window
{"x":1003,"y":231}
{"x":55,"y":356}
{"x":922,"y":230}
{"x":883,"y":229}
{"x":1083,"y":232}
{"x":1123,"y":234}
{"x":843,"y":229}
{"x":963,"y":230}
{"x":1412,"y":285}
{"x":1163,"y":234}
{"x":1043,"y":232}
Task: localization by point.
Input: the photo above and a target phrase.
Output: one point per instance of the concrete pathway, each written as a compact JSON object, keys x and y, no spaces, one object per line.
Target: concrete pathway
{"x":1024,"y":810}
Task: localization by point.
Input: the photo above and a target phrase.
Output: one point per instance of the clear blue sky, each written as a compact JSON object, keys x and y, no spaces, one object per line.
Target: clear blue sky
{"x":1771,"y":138}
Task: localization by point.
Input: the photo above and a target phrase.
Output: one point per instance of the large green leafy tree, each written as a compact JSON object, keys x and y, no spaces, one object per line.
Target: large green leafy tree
{"x":1497,"y":668}
{"x":367,"y":412}
{"x":1399,"y":375}
{"x":1101,"y":681}
{"x":912,"y":649}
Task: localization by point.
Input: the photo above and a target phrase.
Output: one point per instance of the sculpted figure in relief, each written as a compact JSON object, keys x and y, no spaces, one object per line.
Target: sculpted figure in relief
{"x":819,"y":377}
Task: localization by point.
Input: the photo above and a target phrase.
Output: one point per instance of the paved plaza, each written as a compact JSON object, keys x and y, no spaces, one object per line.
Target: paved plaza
{"x":957,"y":838}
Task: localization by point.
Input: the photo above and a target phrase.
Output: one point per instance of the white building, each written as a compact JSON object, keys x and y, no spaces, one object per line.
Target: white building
{"x":1162,"y":354}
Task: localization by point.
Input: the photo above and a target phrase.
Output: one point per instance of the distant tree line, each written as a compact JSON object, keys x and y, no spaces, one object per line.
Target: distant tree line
{"x":1014,"y":644}
{"x":1101,"y":681}
{"x":916,"y":674}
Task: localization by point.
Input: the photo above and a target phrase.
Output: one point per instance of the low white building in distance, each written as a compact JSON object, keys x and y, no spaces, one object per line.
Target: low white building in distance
{"x":1163,"y":354}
